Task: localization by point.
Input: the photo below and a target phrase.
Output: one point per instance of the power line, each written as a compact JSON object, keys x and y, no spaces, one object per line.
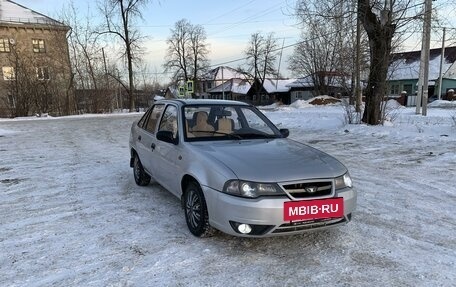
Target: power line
{"x":267,"y":11}
{"x":278,"y":49}
{"x":230,"y":12}
{"x":214,"y":24}
{"x":255,"y":16}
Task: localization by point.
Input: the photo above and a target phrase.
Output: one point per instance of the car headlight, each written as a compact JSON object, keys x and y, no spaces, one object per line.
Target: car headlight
{"x":344,"y":181}
{"x":251,"y":189}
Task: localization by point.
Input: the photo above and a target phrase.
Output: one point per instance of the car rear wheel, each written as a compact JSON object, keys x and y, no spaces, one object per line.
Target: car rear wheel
{"x":196,"y":214}
{"x":141,"y":177}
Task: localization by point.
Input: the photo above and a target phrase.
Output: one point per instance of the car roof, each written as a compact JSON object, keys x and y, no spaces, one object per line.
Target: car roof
{"x":187,"y":102}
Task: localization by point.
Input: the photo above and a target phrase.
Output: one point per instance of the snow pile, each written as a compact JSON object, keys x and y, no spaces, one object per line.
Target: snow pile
{"x":442,"y":104}
{"x":270,"y":107}
{"x":393,"y":104}
{"x":300,"y":104}
{"x":320,"y":100}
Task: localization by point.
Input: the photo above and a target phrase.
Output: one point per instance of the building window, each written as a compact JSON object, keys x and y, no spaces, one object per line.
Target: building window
{"x":11,"y":101}
{"x":38,"y":46}
{"x":8,"y":73}
{"x":394,"y":90}
{"x":408,"y":89}
{"x":42,"y":73}
{"x":4,"y":45}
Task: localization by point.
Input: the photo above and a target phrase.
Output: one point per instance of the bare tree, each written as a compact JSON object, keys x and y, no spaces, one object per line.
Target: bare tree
{"x":261,"y":56}
{"x":87,"y":61}
{"x":328,"y":42}
{"x":21,"y":98}
{"x":382,"y":21}
{"x":30,"y":87}
{"x":119,"y":18}
{"x":378,"y":23}
{"x":178,"y":57}
{"x":187,"y":51}
{"x":316,"y":57}
{"x":199,"y":53}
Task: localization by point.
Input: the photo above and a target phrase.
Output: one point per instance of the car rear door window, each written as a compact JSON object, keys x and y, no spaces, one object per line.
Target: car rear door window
{"x":154,"y":117}
{"x":144,"y":118}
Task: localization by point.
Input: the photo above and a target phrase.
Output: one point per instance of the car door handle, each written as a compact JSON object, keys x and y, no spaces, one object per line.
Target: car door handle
{"x":139,"y":138}
{"x":152,"y":146}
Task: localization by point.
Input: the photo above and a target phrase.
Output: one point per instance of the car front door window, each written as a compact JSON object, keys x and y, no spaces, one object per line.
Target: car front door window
{"x":169,"y":121}
{"x":166,"y":154}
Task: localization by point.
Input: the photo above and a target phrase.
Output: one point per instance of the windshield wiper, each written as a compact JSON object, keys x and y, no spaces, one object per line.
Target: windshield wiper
{"x":236,"y":136}
{"x":256,"y":136}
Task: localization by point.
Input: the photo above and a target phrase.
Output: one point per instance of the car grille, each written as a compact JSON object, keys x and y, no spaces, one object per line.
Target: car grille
{"x":310,"y":224}
{"x":309,"y":189}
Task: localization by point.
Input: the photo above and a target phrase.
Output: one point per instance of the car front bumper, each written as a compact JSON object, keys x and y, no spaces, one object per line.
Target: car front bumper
{"x":265,"y":214}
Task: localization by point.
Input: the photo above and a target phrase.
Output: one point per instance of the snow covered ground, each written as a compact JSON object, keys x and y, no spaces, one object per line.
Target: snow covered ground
{"x":71,"y":214}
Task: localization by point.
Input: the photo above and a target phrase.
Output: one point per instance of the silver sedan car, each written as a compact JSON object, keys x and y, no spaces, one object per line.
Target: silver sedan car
{"x":235,"y":171}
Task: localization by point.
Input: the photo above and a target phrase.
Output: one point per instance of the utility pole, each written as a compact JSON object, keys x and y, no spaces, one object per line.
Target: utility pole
{"x":105,"y":66}
{"x":106,"y":91}
{"x":423,"y":81}
{"x":223,"y":85}
{"x":442,"y":56}
{"x":280,"y":61}
{"x":358,"y":95}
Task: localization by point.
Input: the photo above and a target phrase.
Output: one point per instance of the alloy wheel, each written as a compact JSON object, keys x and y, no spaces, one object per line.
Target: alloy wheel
{"x":193,"y":209}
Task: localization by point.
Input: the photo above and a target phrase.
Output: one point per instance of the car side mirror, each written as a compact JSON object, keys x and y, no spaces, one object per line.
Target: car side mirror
{"x":285,"y":132}
{"x":166,"y":136}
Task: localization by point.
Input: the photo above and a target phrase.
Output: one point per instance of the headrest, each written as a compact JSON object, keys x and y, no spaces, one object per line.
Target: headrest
{"x":225,"y":124}
{"x":201,"y":117}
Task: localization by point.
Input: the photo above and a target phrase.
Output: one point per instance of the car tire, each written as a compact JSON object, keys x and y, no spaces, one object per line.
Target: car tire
{"x":196,"y":214}
{"x":141,"y":177}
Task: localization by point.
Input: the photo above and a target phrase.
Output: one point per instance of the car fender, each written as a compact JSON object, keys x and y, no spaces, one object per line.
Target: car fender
{"x":206,"y":169}
{"x":210,"y":173}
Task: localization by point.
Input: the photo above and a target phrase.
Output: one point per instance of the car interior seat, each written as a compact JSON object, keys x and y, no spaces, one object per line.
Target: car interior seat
{"x":188,"y":130}
{"x":224,"y":126}
{"x":173,"y":126}
{"x":202,"y":128}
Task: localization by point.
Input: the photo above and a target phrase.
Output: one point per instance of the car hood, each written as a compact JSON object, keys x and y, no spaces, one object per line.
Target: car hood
{"x":277,"y":160}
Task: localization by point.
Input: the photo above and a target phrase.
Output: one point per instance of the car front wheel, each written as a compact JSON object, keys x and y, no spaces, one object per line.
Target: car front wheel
{"x":141,"y":177}
{"x":196,"y":211}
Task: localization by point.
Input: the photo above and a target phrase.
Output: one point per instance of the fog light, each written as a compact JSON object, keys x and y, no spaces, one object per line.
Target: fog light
{"x":250,"y":229}
{"x":244,"y":228}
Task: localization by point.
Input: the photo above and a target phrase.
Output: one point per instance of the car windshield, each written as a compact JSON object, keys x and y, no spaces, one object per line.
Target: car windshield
{"x":222,"y":122}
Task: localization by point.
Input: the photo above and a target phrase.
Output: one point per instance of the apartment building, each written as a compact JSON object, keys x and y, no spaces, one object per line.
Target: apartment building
{"x":34,"y":61}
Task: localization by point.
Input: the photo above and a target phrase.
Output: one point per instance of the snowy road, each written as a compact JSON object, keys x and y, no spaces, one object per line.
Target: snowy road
{"x":71,"y":214}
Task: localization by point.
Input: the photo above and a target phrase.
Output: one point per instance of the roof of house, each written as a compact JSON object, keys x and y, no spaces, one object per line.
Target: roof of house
{"x":172,"y":91}
{"x":301,"y":83}
{"x":238,"y":86}
{"x":406,"y":65}
{"x":224,"y":73}
{"x":277,"y":86}
{"x":13,"y":13}
{"x":308,"y":82}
